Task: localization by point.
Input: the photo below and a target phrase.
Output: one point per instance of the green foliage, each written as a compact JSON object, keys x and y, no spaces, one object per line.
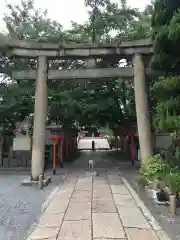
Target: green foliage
{"x":167,"y":110}
{"x":157,"y":169}
{"x":173,"y":156}
{"x":173,"y":182}
{"x":166,"y":38}
{"x":100,"y":103}
{"x":141,"y":181}
{"x":154,"y":168}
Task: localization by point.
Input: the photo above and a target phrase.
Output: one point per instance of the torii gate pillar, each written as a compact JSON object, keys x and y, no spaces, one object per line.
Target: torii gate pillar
{"x":40,"y":114}
{"x":142,"y":110}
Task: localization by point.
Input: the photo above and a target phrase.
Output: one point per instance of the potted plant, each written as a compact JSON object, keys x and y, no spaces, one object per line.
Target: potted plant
{"x":163,"y":195}
{"x":178,"y":183}
{"x":172,"y":184}
{"x":154,"y":170}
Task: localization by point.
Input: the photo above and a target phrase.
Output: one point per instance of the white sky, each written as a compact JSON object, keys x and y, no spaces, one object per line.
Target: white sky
{"x":64,"y":11}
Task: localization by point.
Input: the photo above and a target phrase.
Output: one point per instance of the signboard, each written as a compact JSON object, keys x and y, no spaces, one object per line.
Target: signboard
{"x":22,"y":143}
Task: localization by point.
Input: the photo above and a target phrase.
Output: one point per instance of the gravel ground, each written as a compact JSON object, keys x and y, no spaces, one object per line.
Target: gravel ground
{"x":20,"y":206}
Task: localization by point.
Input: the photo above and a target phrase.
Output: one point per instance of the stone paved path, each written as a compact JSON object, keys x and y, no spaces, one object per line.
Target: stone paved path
{"x":96,"y":208}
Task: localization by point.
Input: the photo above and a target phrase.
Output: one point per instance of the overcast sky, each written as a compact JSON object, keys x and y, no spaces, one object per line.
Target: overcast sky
{"x":64,"y":11}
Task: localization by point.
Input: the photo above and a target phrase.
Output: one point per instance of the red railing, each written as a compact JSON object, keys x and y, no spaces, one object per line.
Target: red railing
{"x":69,"y":149}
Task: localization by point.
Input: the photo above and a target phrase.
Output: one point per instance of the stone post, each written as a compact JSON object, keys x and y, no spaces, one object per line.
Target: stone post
{"x":142,"y":111}
{"x":40,"y":113}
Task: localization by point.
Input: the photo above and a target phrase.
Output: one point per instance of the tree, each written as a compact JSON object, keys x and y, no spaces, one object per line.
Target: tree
{"x":85,"y":104}
{"x":25,"y":22}
{"x":166,"y":38}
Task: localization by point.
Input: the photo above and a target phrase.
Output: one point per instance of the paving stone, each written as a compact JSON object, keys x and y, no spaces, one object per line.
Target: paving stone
{"x":57,"y":207}
{"x":107,"y":225}
{"x":69,"y":185}
{"x":103,"y":206}
{"x":115,"y":181}
{"x":124,"y":200}
{"x":84,"y":186}
{"x":132,"y":217}
{"x":54,"y":238}
{"x":100,"y":182}
{"x":65,"y":190}
{"x":85,"y":179}
{"x":120,"y":189}
{"x":109,"y":238}
{"x":51,"y":220}
{"x":84,"y":183}
{"x":75,"y":230}
{"x":102,"y":193}
{"x":78,"y":211}
{"x":140,"y":234}
{"x":63,"y":197}
{"x":44,"y":233}
{"x":103,"y":187}
{"x":81,"y":196}
{"x":101,"y":177}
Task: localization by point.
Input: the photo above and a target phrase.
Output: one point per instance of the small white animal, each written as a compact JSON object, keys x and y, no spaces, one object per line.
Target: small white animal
{"x":91,"y":165}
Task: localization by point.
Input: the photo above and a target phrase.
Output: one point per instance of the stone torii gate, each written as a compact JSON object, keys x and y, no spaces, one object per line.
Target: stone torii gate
{"x":136,"y":51}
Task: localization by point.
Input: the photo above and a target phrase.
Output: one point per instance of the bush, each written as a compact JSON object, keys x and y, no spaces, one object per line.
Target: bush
{"x":173,"y":182}
{"x":141,"y":181}
{"x":155,"y":169}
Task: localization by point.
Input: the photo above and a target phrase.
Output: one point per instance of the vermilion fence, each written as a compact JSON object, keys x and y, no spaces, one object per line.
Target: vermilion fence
{"x":128,"y":144}
{"x":70,"y":146}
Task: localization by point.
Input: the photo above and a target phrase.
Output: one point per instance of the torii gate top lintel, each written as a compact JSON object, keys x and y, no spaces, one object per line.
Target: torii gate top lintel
{"x":75,"y":50}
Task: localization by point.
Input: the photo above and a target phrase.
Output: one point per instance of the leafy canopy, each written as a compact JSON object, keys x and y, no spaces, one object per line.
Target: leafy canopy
{"x":98,"y":103}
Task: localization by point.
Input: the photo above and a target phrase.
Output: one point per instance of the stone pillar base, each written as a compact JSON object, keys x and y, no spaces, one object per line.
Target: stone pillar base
{"x":30,"y":182}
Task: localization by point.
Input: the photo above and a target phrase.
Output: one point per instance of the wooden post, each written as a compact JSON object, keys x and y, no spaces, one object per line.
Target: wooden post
{"x":67,"y":148}
{"x":1,"y":149}
{"x":132,"y":148}
{"x":125,"y":143}
{"x":54,"y":141}
{"x":61,"y":151}
{"x":40,"y":112}
{"x":142,"y":111}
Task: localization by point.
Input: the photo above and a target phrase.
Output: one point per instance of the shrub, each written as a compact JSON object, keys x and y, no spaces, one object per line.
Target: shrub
{"x":141,"y":180}
{"x":173,"y":181}
{"x":155,"y":169}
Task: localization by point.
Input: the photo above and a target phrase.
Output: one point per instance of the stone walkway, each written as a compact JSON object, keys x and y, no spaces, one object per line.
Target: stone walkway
{"x":96,"y":208}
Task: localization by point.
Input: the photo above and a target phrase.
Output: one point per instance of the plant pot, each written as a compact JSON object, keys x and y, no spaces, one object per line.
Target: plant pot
{"x":153,"y":185}
{"x":162,"y":198}
{"x":172,"y":206}
{"x":151,"y":193}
